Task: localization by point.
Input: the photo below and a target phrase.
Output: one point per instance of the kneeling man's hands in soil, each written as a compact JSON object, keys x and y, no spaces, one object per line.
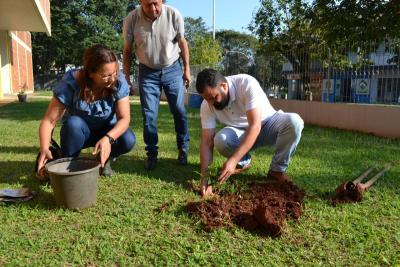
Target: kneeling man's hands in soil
{"x":227,"y":170}
{"x":205,"y":189}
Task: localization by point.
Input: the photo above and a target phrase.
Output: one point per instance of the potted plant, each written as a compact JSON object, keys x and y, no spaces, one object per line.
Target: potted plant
{"x":22,"y":96}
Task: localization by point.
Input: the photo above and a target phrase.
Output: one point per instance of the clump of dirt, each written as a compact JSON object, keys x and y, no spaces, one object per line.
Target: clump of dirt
{"x":348,"y":192}
{"x":263,"y":206}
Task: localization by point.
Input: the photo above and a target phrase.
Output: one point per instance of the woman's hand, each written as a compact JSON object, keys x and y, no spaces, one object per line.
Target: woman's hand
{"x":54,"y":112}
{"x":103,"y":147}
{"x":45,"y":155}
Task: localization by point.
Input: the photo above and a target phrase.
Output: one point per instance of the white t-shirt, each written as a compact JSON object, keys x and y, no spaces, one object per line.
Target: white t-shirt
{"x":245,"y":94}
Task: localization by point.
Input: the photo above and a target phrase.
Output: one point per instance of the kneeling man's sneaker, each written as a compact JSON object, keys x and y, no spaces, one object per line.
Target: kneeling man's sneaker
{"x":240,"y":168}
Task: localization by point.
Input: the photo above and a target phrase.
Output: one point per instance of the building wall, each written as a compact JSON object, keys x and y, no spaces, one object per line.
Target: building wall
{"x":45,"y":5}
{"x":16,"y":68}
{"x":21,"y":61}
{"x":5,"y":64}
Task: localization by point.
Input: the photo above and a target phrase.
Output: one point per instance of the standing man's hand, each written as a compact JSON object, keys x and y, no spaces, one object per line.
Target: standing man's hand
{"x":126,"y":63}
{"x":183,"y":45}
{"x":228,"y":169}
{"x":187,"y":78}
{"x":129,"y":85}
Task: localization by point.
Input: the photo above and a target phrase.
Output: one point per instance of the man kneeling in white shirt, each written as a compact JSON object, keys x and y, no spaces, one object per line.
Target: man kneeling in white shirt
{"x":240,"y":104}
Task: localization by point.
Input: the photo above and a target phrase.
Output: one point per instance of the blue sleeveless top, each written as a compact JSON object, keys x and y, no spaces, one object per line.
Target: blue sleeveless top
{"x":98,"y":114}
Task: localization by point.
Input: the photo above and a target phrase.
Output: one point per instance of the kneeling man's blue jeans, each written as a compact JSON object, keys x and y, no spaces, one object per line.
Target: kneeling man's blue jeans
{"x":282,"y":130}
{"x":75,"y":135}
{"x":151,"y":82}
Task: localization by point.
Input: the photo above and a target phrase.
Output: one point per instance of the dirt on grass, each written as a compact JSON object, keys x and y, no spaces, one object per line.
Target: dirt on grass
{"x":264,"y":206}
{"x":348,"y":192}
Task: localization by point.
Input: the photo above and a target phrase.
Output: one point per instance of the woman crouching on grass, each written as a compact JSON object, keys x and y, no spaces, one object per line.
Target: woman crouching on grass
{"x":94,"y":104}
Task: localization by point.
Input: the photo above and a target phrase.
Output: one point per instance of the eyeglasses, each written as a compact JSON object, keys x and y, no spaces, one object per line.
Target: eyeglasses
{"x":108,"y":77}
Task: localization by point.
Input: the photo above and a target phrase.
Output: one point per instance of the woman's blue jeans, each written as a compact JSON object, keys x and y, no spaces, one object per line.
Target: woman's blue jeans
{"x":75,"y":135}
{"x":151,"y":82}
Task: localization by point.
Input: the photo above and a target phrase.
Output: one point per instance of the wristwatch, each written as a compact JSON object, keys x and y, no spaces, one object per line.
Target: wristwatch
{"x":112,"y":140}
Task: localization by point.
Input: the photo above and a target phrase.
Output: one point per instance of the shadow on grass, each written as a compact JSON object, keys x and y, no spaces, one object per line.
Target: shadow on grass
{"x":18,"y":174}
{"x":167,"y":169}
{"x":20,"y":149}
{"x":24,"y":111}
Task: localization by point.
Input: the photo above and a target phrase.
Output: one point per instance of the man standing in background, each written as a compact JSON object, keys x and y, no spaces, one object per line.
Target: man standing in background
{"x":156,"y":32}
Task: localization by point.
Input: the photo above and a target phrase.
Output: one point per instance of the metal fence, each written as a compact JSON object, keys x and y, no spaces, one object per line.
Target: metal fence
{"x":368,"y":73}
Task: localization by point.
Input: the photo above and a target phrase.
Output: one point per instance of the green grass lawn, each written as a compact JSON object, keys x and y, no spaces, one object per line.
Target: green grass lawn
{"x":44,"y":93}
{"x":127,"y":228}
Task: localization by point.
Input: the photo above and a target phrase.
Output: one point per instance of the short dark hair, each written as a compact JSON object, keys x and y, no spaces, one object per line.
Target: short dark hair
{"x":210,"y":78}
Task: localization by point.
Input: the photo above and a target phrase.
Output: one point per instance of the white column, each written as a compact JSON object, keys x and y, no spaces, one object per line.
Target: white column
{"x":214,"y":19}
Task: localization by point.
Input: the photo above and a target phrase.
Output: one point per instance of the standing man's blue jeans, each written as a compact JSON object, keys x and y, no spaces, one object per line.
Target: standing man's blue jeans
{"x":151,"y":82}
{"x":76,"y":135}
{"x":282,"y":130}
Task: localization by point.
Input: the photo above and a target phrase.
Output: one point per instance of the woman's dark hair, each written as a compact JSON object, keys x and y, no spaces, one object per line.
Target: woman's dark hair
{"x":210,"y":78}
{"x":93,"y":58}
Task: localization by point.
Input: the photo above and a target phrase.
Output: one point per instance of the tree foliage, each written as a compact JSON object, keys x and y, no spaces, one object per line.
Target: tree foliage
{"x":77,"y":25}
{"x":287,"y":25}
{"x":238,"y":51}
{"x":356,"y":21}
{"x":205,"y":51}
{"x":193,"y":27}
{"x":284,"y":26}
{"x":302,"y":31}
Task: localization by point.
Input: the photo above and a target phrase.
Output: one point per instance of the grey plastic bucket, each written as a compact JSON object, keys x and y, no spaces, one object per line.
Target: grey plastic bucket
{"x":74,"y":181}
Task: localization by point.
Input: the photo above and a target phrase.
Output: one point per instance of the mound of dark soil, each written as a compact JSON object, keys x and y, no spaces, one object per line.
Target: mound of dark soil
{"x":263,"y":206}
{"x":348,"y":192}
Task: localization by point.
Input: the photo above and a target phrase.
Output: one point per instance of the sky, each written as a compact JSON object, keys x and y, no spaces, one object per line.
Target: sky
{"x":229,"y":14}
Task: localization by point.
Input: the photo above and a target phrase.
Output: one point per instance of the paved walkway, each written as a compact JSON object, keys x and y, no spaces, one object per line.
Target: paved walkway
{"x":8,"y":99}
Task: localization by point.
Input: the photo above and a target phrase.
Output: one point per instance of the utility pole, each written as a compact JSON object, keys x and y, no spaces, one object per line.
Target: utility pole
{"x":213,"y":19}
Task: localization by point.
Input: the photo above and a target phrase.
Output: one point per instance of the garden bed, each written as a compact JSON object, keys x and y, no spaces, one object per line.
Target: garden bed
{"x":263,"y":206}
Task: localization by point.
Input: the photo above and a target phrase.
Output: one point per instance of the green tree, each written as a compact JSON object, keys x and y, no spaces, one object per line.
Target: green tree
{"x":205,"y":51}
{"x":194,"y":26}
{"x":238,"y":51}
{"x":325,"y":29}
{"x":76,"y":25}
{"x":357,"y":26}
{"x":356,"y":21}
{"x":284,"y":31}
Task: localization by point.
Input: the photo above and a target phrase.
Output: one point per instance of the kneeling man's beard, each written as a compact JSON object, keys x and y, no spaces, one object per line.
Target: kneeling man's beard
{"x":224,"y":102}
